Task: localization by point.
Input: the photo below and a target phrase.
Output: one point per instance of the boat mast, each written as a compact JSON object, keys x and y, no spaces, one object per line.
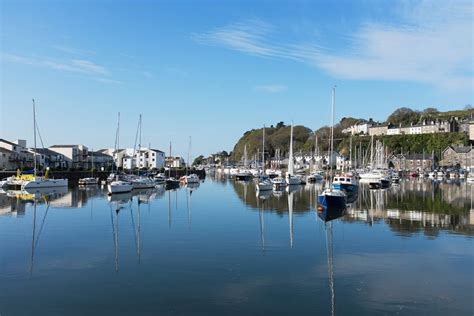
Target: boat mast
{"x":171,"y":163}
{"x":263,"y":150}
{"x":34,"y":133}
{"x":332,"y":130}
{"x":139,"y":143}
{"x":350,"y":153}
{"x":290,"y":161}
{"x":189,"y":155}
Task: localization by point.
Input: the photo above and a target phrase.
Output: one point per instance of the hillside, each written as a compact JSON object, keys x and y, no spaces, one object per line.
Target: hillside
{"x":278,"y":137}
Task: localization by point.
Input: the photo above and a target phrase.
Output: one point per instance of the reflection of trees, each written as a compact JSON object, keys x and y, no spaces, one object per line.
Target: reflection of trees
{"x":417,"y":206}
{"x":303,"y":199}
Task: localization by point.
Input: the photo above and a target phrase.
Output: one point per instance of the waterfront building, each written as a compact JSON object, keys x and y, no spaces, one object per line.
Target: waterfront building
{"x":48,"y":158}
{"x":454,"y":156}
{"x":146,"y":158}
{"x":76,"y":155}
{"x":98,"y":160}
{"x":174,"y":162}
{"x":413,"y":162}
{"x":19,"y":156}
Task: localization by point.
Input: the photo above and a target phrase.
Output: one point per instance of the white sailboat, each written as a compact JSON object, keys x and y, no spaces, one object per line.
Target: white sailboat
{"x":90,"y":180}
{"x":290,"y":178}
{"x":118,"y":186}
{"x":264,"y":184}
{"x":36,"y":181}
{"x":191,"y":178}
{"x":140,"y":182}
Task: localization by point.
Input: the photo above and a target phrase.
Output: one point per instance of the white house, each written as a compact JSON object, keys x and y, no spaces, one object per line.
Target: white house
{"x":146,"y":158}
{"x":358,"y":129}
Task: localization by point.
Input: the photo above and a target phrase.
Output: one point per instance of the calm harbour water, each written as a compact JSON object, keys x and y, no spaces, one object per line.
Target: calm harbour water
{"x":220,"y":249}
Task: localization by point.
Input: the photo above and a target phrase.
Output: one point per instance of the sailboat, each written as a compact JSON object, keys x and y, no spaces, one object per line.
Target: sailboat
{"x":171,"y":182}
{"x":140,"y":182}
{"x":117,"y":185}
{"x":36,"y":181}
{"x":290,"y":178}
{"x":191,"y":178}
{"x":90,"y":180}
{"x":244,"y":174}
{"x":264,"y":183}
{"x":332,"y":199}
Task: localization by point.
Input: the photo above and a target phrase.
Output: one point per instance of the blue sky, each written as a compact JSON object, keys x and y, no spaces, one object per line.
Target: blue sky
{"x":214,"y":69}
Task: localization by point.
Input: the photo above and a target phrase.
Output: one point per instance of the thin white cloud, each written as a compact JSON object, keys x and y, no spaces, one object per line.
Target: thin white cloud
{"x":75,"y":65}
{"x":432,"y":43}
{"x":73,"y":50}
{"x":271,"y":88}
{"x":90,"y":69}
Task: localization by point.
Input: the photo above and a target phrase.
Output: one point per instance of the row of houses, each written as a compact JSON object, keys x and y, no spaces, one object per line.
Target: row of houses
{"x":452,"y":156}
{"x":16,"y":155}
{"x":425,"y":127}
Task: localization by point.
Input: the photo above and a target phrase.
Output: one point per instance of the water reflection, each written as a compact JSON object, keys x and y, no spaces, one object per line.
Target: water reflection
{"x":409,"y":207}
{"x":226,"y":248}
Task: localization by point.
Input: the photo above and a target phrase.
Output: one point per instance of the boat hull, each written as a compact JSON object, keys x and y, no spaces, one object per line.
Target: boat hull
{"x":346,"y":187}
{"x":332,"y":203}
{"x":47,"y":183}
{"x":122,"y":188}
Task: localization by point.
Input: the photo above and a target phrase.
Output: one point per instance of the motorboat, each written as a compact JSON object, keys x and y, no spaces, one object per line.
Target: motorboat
{"x":88,"y":181}
{"x":345,"y":183}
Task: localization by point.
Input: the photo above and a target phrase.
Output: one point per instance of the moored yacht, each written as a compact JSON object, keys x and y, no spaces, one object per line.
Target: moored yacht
{"x":36,"y":181}
{"x":119,"y":186}
{"x":291,"y":178}
{"x":88,"y":181}
{"x":345,"y":183}
{"x":332,"y":199}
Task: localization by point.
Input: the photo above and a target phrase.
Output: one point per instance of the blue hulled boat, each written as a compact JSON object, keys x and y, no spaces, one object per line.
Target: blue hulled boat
{"x":332,"y":200}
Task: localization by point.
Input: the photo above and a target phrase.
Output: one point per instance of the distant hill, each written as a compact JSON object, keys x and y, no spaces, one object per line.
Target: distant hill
{"x":278,"y":137}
